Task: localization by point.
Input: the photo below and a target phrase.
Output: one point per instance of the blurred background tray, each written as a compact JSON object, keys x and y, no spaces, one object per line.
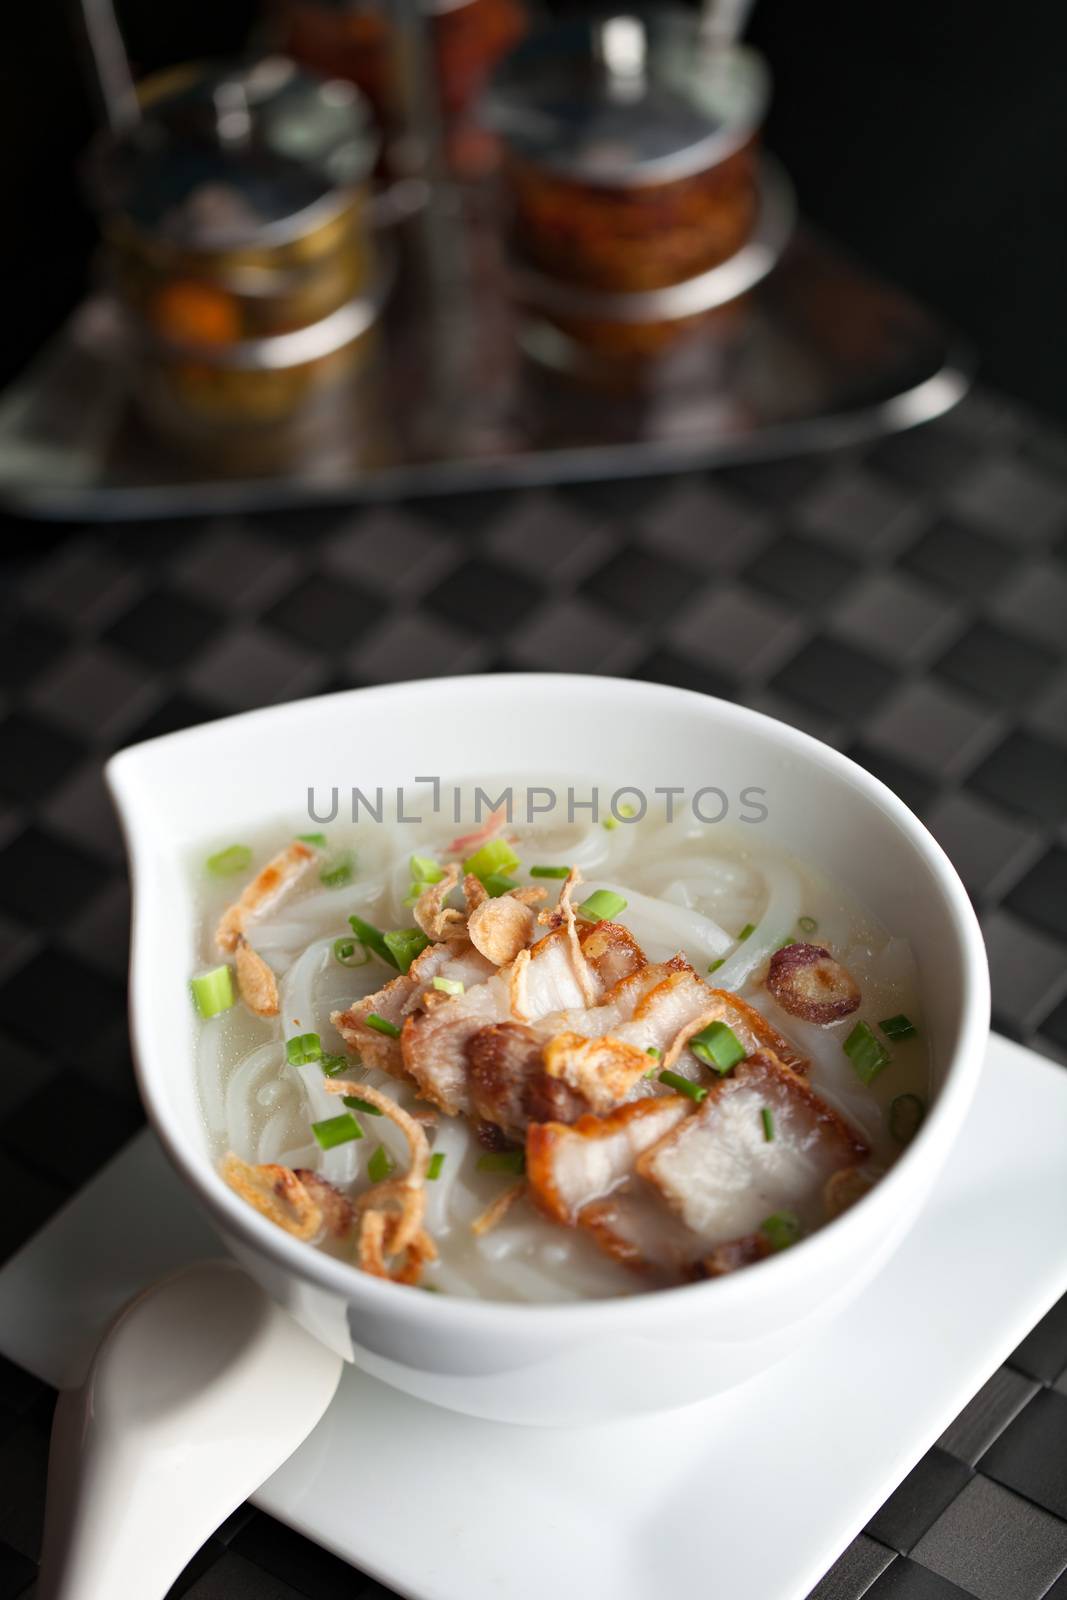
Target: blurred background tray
{"x":819,"y":355}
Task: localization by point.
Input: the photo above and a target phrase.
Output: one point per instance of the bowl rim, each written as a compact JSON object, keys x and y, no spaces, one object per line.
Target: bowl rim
{"x":343,"y":1279}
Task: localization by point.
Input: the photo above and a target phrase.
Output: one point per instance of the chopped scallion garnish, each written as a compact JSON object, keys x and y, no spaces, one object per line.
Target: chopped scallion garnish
{"x":380,"y":1165}
{"x":316,"y":839}
{"x":609,"y":824}
{"x":749,"y":928}
{"x":332,"y":1065}
{"x":224,"y":863}
{"x":382,"y":1025}
{"x":766,"y":1116}
{"x":355,"y":1102}
{"x":674,"y":1080}
{"x":550,"y":872}
{"x":212,"y":991}
{"x":602,"y":906}
{"x":498,"y":883}
{"x":339,"y":871}
{"x":653,"y":1050}
{"x":867,"y":1054}
{"x":404,"y":944}
{"x":350,"y":953}
{"x":448,"y":985}
{"x":718,"y":1046}
{"x":715,"y":965}
{"x":437,"y":1161}
{"x":336,"y":1130}
{"x":369,"y":935}
{"x":424,"y":869}
{"x":303,"y":1048}
{"x":785,"y":943}
{"x":898,"y":1027}
{"x":496,"y":855}
{"x":513,"y":1161}
{"x":781,"y":1229}
{"x":906,"y":1114}
{"x":807,"y":924}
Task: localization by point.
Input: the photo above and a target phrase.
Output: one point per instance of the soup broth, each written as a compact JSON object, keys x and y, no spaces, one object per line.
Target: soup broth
{"x":700,"y":1053}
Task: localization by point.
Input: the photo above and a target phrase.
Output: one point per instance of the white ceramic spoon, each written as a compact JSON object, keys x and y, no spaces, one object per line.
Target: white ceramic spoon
{"x":199,"y":1391}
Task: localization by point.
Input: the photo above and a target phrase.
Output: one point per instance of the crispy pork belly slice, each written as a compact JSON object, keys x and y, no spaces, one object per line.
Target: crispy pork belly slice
{"x":402,"y":995}
{"x":661,"y":1006}
{"x":585,"y":1176}
{"x":263,"y":893}
{"x":570,"y":1168}
{"x":723,"y":1177}
{"x":539,"y":980}
{"x":753,"y":1030}
{"x":605,"y":1072}
{"x":508,"y":1084}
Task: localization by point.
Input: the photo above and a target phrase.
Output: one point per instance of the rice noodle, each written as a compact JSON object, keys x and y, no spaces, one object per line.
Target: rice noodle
{"x":777,"y":921}
{"x":663,"y":929}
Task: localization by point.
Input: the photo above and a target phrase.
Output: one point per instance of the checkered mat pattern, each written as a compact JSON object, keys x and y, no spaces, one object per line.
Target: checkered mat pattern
{"x":907,"y":602}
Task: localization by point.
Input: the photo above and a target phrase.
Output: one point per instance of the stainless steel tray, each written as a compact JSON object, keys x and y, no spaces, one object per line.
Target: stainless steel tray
{"x":818,"y":354}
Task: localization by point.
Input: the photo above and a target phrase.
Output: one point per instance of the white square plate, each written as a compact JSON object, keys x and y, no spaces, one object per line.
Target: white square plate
{"x":758,"y":1490}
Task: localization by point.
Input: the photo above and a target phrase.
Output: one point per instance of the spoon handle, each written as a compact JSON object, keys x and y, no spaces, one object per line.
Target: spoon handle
{"x":201,"y":1389}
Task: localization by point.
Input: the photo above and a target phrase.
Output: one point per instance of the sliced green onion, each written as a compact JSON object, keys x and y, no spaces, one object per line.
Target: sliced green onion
{"x":350,"y":953}
{"x":550,"y":872}
{"x":224,"y":863}
{"x":369,"y":935}
{"x":404,"y":944}
{"x":448,"y":985}
{"x":749,"y":927}
{"x":317,"y":839}
{"x":781,"y":1229}
{"x":807,"y":924}
{"x":380,"y":1165}
{"x":609,"y":824}
{"x":332,"y":1065}
{"x":496,"y":855}
{"x":785,"y":943}
{"x":898,"y":1027}
{"x":338,"y":871}
{"x":303,"y":1048}
{"x":498,"y":883}
{"x":653,"y":1050}
{"x":212,"y":991}
{"x":437,"y":1161}
{"x":715,"y":965}
{"x":906,"y":1115}
{"x":336,"y":1130}
{"x":424,"y":869}
{"x":382,"y":1025}
{"x":766,"y":1116}
{"x":602,"y":906}
{"x":867,"y":1054}
{"x":718,"y":1046}
{"x":355,"y":1103}
{"x":513,"y":1161}
{"x":674,"y":1080}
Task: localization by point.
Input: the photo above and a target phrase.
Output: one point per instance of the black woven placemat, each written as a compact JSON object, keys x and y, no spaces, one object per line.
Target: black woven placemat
{"x":908,"y":603}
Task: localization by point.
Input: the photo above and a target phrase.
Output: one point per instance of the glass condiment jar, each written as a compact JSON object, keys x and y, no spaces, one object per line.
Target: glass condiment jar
{"x":356,"y":40}
{"x":235,"y":216}
{"x":630,"y":150}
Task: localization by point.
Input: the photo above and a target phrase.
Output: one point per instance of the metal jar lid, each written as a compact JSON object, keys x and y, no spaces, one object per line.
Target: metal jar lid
{"x":627,"y":100}
{"x":226,"y":159}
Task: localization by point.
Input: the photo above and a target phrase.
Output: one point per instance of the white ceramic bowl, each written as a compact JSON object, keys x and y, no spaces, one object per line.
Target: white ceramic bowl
{"x":572,"y":1363}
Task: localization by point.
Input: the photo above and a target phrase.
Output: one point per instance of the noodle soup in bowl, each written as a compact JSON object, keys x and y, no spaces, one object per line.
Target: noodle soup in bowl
{"x":644,"y":1102}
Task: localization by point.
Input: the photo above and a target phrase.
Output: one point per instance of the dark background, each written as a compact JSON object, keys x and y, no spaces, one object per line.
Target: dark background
{"x":927,"y":135}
